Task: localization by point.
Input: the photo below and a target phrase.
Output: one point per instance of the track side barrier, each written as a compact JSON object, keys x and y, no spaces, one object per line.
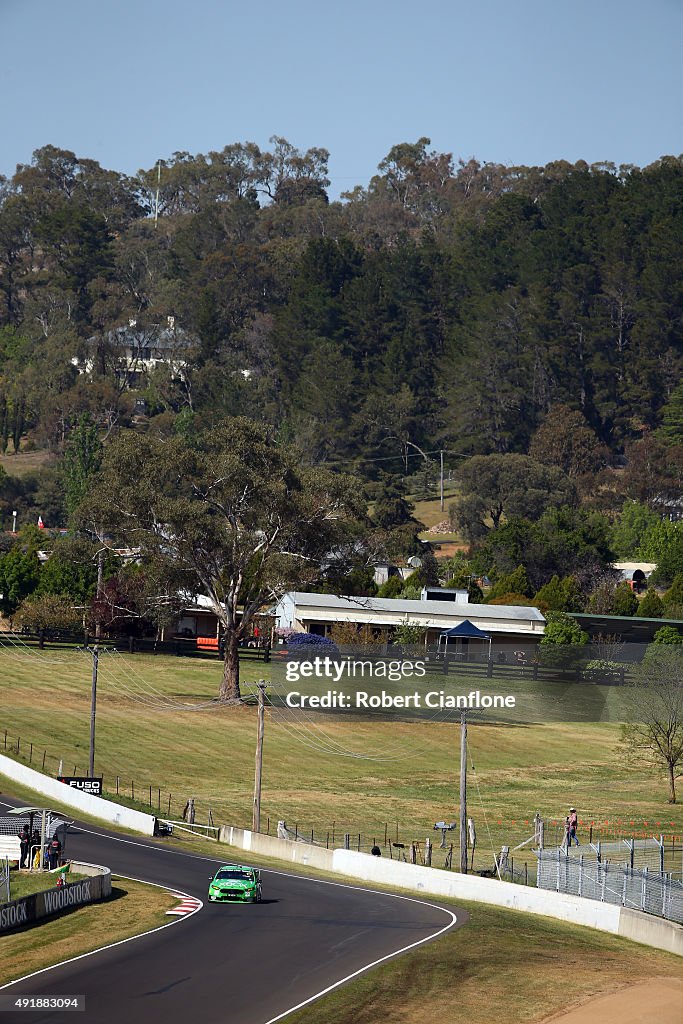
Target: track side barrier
{"x":97,"y":806}
{"x":96,"y":886}
{"x":606,"y":917}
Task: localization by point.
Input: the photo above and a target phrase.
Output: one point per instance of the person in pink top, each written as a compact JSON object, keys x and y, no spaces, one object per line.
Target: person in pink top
{"x":573,"y":822}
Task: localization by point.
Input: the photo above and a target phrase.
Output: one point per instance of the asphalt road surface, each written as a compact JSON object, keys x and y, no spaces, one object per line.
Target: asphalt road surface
{"x":229,"y":964}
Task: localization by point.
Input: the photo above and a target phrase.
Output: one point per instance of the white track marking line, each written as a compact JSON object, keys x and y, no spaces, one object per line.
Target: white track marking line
{"x":110,"y":945}
{"x":367,"y":967}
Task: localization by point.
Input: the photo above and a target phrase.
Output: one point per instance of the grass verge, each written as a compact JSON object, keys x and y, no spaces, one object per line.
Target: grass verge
{"x":25,"y":884}
{"x":502,"y":966}
{"x":134,"y":908}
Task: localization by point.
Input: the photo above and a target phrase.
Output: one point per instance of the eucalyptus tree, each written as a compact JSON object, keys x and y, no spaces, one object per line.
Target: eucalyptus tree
{"x":229,"y":513}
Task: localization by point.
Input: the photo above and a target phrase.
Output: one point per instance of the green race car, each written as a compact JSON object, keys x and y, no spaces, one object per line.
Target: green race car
{"x":235,"y":883}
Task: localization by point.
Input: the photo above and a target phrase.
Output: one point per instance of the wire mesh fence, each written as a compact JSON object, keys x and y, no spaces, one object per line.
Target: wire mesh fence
{"x":653,"y":892}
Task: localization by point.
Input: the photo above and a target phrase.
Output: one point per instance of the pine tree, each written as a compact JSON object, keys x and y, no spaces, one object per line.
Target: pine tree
{"x":651,"y":606}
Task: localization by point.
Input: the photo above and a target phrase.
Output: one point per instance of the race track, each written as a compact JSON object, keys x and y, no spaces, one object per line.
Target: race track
{"x":228,"y":964}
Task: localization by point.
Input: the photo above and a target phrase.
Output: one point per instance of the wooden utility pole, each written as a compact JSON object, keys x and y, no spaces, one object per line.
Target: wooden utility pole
{"x":256,"y":813}
{"x":95,"y":665}
{"x":463,"y":792}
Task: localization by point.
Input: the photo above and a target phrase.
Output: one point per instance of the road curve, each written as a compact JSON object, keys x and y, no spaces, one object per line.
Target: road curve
{"x":229,"y":964}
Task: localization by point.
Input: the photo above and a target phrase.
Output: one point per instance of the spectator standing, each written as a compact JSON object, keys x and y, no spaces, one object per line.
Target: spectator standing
{"x":573,"y":823}
{"x":24,"y":846}
{"x":53,"y":853}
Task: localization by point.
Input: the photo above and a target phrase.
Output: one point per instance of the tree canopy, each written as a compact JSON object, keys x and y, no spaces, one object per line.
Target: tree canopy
{"x":229,"y":513}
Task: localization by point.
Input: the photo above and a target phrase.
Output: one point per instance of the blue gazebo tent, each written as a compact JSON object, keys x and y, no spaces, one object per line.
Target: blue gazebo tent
{"x":461,"y":635}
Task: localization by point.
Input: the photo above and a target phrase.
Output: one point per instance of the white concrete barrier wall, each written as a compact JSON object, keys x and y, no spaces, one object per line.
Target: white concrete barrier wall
{"x":284,"y":849}
{"x":96,"y":806}
{"x":605,"y":917}
{"x":437,"y":882}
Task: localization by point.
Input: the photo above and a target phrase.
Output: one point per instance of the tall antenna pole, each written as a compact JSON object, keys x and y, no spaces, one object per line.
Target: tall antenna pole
{"x":256,"y":814}
{"x":156,"y":198}
{"x":463,"y":792}
{"x":95,"y":665}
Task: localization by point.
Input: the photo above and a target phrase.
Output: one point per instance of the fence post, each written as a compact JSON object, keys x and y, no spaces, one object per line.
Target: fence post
{"x":169,"y":805}
{"x":386,"y":826}
{"x":132,"y":788}
{"x":643,"y":889}
{"x":359,"y":842}
{"x":30,"y":754}
{"x":666,"y":889}
{"x":347,"y":840}
{"x":623,"y":888}
{"x":44,"y":756}
{"x":580,"y":874}
{"x":661,"y":855}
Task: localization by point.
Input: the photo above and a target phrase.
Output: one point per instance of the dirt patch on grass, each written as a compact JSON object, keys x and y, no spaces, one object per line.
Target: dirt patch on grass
{"x":659,"y":999}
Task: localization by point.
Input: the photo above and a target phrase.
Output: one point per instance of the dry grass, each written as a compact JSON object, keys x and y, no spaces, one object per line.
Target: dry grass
{"x":23,"y":463}
{"x":23,"y":883}
{"x":134,"y":908}
{"x":502,"y":966}
{"x":402,"y":772}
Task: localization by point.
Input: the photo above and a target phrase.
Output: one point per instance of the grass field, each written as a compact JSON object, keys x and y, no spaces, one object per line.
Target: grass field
{"x":133,"y":908}
{"x":25,"y":883}
{"x":22,"y":463}
{"x":403,"y":775}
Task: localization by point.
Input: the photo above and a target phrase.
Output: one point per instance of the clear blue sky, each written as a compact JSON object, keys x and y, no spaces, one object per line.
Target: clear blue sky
{"x":516,"y":81}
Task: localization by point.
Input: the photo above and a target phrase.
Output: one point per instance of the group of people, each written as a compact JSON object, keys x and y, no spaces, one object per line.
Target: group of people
{"x":31,"y":840}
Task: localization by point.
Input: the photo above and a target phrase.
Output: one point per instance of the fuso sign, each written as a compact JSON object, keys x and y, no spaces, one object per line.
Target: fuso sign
{"x":82,"y":782}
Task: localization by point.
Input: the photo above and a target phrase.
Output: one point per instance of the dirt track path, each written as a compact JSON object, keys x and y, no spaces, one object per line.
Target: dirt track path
{"x":659,"y":1001}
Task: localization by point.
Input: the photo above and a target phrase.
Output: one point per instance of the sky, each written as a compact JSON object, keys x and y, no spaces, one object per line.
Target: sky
{"x":127,"y":82}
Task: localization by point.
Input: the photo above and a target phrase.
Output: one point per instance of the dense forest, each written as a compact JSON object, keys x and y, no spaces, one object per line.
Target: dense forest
{"x":479,"y":309}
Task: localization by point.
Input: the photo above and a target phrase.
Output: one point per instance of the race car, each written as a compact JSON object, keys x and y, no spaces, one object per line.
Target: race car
{"x":235,"y":883}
